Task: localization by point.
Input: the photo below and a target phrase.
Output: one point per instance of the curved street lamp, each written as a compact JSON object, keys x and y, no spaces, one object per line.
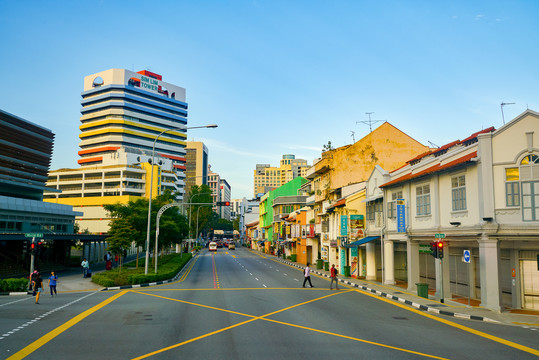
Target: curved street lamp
{"x":212,"y":126}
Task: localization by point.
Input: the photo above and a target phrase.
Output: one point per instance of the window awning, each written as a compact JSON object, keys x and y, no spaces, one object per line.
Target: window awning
{"x":364,"y":240}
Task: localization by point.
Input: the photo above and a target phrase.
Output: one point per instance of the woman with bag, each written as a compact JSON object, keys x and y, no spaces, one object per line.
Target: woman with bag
{"x":38,"y":286}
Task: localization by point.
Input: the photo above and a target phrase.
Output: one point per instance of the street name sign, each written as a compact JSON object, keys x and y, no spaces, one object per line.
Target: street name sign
{"x":439,"y":236}
{"x":34,"y":235}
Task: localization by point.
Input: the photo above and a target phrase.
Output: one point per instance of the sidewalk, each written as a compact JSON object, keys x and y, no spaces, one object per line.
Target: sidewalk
{"x":451,"y":307}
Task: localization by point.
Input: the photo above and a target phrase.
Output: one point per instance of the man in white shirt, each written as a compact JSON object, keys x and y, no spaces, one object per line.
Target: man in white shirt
{"x":307,"y":274}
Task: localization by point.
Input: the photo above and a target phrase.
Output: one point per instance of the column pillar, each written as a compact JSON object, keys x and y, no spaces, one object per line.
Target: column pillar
{"x":489,"y":273}
{"x":389,"y":263}
{"x":412,"y":256}
{"x":371,"y":261}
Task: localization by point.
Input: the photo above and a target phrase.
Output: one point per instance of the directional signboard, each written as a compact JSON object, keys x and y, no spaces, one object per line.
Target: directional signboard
{"x":466,"y":256}
{"x":424,"y":249}
{"x":34,"y":235}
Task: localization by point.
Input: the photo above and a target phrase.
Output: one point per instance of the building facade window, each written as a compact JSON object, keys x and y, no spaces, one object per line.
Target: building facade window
{"x":458,"y":193}
{"x":392,"y":205}
{"x":529,"y":176}
{"x":373,"y":208}
{"x":423,"y":199}
{"x":512,"y":187}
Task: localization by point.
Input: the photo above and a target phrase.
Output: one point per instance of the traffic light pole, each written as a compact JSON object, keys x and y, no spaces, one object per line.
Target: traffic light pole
{"x":32,"y":259}
{"x":442,"y":276}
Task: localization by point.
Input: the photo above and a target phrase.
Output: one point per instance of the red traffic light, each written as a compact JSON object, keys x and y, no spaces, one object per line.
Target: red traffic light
{"x":440,"y":244}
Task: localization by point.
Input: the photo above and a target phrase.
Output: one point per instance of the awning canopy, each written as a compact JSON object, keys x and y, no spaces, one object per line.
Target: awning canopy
{"x":261,"y":242}
{"x":364,"y":240}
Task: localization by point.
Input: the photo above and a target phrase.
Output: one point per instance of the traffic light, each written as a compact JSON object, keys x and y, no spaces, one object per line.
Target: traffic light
{"x":33,"y":248}
{"x":25,"y":247}
{"x":222,"y":203}
{"x":434,"y":249}
{"x":440,"y":245}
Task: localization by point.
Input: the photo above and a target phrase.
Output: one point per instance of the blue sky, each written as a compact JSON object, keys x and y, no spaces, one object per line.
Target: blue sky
{"x":279,"y":77}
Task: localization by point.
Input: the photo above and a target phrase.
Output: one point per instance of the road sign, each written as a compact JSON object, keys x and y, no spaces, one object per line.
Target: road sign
{"x":439,"y":236}
{"x":466,"y":256}
{"x":37,"y":235}
{"x":424,"y":249}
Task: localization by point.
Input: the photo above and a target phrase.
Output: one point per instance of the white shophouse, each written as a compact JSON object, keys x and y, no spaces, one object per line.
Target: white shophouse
{"x":481,"y":195}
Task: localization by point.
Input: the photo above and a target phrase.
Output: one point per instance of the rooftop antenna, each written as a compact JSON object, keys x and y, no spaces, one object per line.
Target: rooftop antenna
{"x":433,"y":144}
{"x":501,"y":107}
{"x":353,"y":137}
{"x":370,"y":122}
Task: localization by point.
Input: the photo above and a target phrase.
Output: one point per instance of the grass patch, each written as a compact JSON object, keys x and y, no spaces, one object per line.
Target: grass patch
{"x":168,"y":267}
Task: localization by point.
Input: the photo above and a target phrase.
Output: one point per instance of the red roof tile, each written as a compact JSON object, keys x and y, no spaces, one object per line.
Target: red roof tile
{"x":432,"y":169}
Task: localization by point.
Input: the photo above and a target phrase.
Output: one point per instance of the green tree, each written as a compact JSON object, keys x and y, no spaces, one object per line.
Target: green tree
{"x":200,"y":195}
{"x":172,"y":226}
{"x":121,"y":235}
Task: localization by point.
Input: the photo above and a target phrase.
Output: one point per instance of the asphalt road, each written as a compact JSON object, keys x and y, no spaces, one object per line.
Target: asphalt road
{"x":242,"y":305}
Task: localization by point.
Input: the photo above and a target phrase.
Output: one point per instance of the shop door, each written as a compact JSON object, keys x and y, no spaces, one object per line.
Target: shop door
{"x":530,"y":284}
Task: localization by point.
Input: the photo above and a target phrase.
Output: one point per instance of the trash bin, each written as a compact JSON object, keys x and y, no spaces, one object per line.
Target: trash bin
{"x":423,"y":290}
{"x":347,"y":271}
{"x":319,"y":264}
{"x":326,"y":265}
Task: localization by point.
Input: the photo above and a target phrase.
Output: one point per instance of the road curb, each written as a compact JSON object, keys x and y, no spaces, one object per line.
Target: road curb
{"x":401,"y":300}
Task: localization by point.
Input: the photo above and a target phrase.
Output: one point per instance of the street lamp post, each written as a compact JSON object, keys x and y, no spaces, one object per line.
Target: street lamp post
{"x":190,"y":203}
{"x":200,"y":207}
{"x":151,"y":188}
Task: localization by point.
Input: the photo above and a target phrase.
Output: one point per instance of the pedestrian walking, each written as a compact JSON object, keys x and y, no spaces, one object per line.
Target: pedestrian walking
{"x":52,"y":283}
{"x":33,"y":276}
{"x":38,"y":286}
{"x":307,"y":274}
{"x":333,"y":275}
{"x":85,"y":267}
{"x":108,"y":259}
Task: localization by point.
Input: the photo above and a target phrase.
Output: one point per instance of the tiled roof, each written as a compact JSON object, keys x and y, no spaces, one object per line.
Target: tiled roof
{"x":432,"y":169}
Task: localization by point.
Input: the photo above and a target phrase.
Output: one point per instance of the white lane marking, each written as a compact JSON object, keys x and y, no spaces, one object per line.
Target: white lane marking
{"x":257,"y":279}
{"x":264,"y":285}
{"x":46,"y":314}
{"x":16,"y":301}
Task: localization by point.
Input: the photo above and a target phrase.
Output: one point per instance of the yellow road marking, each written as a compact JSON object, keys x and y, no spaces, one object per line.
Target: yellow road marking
{"x":355,"y":339}
{"x":192,"y":340}
{"x":264,"y":317}
{"x":447,"y":322}
{"x":21,"y":354}
{"x":458,"y":326}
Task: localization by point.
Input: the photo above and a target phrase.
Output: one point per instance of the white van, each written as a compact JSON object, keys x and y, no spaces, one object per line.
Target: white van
{"x":212,"y":246}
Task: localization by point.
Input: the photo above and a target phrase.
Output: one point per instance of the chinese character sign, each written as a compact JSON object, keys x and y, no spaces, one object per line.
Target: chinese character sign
{"x":401,"y":217}
{"x":344,"y":225}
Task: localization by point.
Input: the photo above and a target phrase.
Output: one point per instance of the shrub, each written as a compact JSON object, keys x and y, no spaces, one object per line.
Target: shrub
{"x":8,"y":285}
{"x":168,"y":267}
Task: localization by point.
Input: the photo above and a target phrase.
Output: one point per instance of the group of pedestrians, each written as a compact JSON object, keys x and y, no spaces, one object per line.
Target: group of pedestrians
{"x":37,"y":284}
{"x":332,"y":272}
